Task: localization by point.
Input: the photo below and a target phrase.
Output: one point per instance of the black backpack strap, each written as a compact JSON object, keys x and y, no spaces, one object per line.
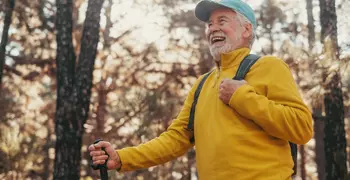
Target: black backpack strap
{"x":294,"y":152}
{"x":245,"y":65}
{"x":190,"y":125}
{"x":243,"y":69}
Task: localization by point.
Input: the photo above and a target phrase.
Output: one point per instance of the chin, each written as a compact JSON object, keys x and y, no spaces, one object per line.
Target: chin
{"x":217,"y":52}
{"x":216,"y":56}
{"x":221,"y":49}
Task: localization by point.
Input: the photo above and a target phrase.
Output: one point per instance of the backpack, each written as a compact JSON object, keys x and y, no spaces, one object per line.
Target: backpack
{"x":243,"y":69}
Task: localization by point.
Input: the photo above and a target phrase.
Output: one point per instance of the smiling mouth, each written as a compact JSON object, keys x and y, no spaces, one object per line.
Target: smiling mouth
{"x":217,"y":39}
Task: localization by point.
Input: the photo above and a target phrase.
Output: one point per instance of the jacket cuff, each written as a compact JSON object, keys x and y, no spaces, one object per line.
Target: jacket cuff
{"x":238,"y":97}
{"x":122,"y":157}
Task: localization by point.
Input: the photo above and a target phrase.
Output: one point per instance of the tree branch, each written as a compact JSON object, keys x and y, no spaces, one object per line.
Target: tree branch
{"x":4,"y":38}
{"x":12,"y":70}
{"x":21,"y":60}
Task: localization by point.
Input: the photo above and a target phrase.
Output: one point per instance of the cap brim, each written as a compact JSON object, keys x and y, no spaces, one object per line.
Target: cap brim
{"x":204,"y":9}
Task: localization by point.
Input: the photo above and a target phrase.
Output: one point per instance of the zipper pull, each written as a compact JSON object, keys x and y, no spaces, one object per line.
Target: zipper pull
{"x":217,"y":75}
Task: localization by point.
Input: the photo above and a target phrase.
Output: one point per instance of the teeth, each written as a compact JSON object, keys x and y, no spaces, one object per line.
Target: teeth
{"x":217,"y":39}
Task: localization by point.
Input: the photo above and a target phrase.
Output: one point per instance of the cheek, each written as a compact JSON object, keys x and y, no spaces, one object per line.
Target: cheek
{"x":227,"y":31}
{"x":233,"y":34}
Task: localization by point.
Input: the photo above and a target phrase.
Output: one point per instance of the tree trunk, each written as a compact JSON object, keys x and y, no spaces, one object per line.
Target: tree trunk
{"x":319,"y":141}
{"x":191,"y":159}
{"x":4,"y":38}
{"x":335,"y":141}
{"x":88,"y":50}
{"x":46,"y":149}
{"x":328,"y":19}
{"x":102,"y":89}
{"x":101,"y":108}
{"x":303,"y":162}
{"x":310,"y":24}
{"x":272,"y":44}
{"x":67,"y":155}
{"x":317,"y":107}
{"x":73,"y":90}
{"x":189,"y":164}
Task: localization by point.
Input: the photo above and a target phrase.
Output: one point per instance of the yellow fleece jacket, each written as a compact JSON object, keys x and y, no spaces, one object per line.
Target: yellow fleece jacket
{"x":245,"y":140}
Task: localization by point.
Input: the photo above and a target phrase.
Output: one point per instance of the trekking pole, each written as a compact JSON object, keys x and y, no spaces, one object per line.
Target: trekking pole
{"x":102,"y":167}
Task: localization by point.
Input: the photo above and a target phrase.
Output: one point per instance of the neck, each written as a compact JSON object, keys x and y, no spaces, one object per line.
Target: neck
{"x":218,"y":63}
{"x":232,"y":58}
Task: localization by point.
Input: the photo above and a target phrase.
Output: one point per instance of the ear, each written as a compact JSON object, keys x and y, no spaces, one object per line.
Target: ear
{"x":207,"y":31}
{"x":247,"y":31}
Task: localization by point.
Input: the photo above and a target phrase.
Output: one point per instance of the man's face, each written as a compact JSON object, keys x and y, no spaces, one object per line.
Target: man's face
{"x":224,"y":32}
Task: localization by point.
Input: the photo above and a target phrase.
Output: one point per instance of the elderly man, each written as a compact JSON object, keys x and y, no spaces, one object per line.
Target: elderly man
{"x":242,"y":128}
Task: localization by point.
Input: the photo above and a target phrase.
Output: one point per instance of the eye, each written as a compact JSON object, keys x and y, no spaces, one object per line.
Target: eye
{"x":209,"y":24}
{"x":222,"y":20}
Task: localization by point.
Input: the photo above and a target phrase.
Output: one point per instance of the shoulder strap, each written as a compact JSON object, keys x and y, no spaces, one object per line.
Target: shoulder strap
{"x":243,"y":69}
{"x":245,"y":65}
{"x":294,"y":152}
{"x":190,"y":125}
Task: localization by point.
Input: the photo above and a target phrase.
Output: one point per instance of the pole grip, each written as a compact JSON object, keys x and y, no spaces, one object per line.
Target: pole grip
{"x":102,"y":167}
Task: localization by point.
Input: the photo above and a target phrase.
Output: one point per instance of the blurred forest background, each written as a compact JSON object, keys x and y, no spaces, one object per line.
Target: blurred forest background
{"x":74,"y":71}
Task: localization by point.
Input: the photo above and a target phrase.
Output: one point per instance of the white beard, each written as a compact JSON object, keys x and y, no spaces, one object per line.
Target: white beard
{"x":216,"y":51}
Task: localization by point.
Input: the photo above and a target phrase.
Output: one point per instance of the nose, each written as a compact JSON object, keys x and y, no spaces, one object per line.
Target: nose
{"x":213,"y":28}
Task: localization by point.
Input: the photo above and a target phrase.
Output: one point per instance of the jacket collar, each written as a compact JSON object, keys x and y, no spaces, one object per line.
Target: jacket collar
{"x":234,"y":57}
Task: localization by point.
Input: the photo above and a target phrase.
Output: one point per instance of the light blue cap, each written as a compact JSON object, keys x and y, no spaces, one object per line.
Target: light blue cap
{"x":205,"y":7}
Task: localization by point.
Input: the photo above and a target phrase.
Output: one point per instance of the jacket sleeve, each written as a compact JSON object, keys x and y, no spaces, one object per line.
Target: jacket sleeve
{"x":169,"y":145}
{"x":281,"y":112}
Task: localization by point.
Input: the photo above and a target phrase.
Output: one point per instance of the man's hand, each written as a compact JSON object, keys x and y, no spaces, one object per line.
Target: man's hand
{"x":227,"y":88}
{"x":99,"y":156}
